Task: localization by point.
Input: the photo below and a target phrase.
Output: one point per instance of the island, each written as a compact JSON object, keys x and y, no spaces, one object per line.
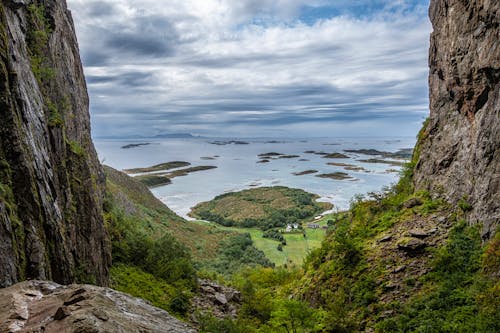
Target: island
{"x":263,"y":207}
{"x":158,"y":167}
{"x":335,"y":175}
{"x":135,"y":145}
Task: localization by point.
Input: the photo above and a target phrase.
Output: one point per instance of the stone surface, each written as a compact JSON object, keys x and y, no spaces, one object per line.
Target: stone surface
{"x":102,"y":310}
{"x":219,"y":300}
{"x":412,"y":245}
{"x":459,"y":149}
{"x":51,"y":182}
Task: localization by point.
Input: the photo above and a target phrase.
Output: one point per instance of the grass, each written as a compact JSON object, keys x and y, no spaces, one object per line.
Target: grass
{"x":293,"y":253}
{"x":264,"y":207}
{"x":155,"y":219}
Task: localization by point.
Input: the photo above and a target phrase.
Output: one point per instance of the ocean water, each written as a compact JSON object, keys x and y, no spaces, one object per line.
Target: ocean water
{"x":237,"y":166}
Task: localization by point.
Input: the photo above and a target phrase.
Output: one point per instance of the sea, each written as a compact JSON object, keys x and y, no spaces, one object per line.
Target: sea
{"x":237,"y":165}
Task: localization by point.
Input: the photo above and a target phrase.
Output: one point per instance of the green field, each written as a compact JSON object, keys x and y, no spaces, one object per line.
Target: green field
{"x":293,"y":253}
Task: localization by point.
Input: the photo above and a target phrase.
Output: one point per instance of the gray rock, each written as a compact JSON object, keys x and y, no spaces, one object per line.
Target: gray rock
{"x":419,"y":233}
{"x":460,"y":146}
{"x":45,"y":143}
{"x":220,"y":298}
{"x":104,"y":310}
{"x":412,"y":245}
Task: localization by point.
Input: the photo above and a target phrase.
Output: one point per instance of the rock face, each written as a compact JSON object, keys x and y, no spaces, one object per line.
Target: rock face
{"x":51,"y":182}
{"x":40,"y":306}
{"x":459,"y":148}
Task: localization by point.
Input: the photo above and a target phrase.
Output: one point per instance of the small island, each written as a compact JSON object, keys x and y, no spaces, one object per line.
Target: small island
{"x":405,"y":153}
{"x":335,"y":176}
{"x":335,"y":155}
{"x":158,"y":167}
{"x":377,"y":160}
{"x":135,"y":145}
{"x":264,"y":207}
{"x":306,"y":172}
{"x":164,"y":178}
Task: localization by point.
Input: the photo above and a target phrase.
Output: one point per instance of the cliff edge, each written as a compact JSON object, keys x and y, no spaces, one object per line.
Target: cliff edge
{"x":51,"y":182}
{"x":458,"y":152}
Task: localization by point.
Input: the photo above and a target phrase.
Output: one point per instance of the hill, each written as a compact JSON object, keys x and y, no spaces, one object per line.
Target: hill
{"x":265,"y":207}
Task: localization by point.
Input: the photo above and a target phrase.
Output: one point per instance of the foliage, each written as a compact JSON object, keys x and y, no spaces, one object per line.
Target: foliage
{"x":275,"y":234}
{"x":76,"y":148}
{"x":139,"y":283}
{"x":55,"y":118}
{"x":164,"y":257}
{"x":456,"y":292}
{"x":236,"y":253}
{"x":266,"y":207}
{"x":37,"y":40}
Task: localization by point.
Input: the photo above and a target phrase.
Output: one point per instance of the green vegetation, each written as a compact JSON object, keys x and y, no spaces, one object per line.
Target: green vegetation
{"x":235,"y":253}
{"x":458,"y":297}
{"x":377,"y":160}
{"x":55,"y":117}
{"x":37,"y":40}
{"x":276,"y":235}
{"x":158,"y":167}
{"x":335,"y":155}
{"x":153,"y":180}
{"x":350,"y":283}
{"x":297,"y":246}
{"x":160,"y":179}
{"x":335,"y":175}
{"x":306,"y":172}
{"x":76,"y":148}
{"x":265,"y":207}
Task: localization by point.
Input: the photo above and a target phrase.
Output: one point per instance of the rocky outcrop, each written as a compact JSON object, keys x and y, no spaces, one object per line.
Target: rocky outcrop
{"x":217,"y":300}
{"x":51,"y":182}
{"x":40,"y":306}
{"x":458,"y":152}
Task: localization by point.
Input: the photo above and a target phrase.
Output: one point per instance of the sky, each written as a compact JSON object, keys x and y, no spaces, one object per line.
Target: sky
{"x":255,"y":68}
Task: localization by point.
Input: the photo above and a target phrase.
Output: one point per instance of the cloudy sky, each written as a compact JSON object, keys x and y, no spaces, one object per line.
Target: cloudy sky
{"x":255,"y":67}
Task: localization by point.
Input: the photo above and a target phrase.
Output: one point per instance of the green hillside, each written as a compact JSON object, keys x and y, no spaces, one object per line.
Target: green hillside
{"x":264,"y":207}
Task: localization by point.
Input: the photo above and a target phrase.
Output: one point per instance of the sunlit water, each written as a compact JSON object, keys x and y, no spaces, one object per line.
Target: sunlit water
{"x":237,"y":166}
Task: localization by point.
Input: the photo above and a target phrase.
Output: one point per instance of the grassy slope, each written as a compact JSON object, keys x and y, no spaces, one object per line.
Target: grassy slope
{"x":156,"y":219}
{"x":365,"y":278}
{"x":269,"y":206}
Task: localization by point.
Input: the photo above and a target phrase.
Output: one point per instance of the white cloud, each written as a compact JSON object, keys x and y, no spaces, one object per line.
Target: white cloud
{"x":231,"y":63}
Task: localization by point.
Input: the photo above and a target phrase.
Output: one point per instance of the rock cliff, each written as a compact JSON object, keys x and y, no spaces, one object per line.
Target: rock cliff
{"x":458,"y":152}
{"x":51,"y":182}
{"x":41,"y":306}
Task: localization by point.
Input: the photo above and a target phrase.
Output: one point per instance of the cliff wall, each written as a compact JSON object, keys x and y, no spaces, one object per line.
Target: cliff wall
{"x":458,"y":152}
{"x":51,"y":182}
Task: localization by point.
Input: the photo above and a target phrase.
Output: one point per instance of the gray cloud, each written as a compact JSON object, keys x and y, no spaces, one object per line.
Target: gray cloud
{"x":253,"y":66}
